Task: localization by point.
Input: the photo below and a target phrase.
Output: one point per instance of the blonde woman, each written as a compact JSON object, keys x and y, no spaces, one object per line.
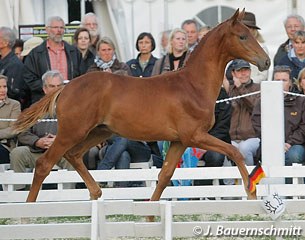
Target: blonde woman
{"x":177,"y":53}
{"x":301,"y":81}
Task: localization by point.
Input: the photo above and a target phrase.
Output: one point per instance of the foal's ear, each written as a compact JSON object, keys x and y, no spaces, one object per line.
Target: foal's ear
{"x":238,"y":16}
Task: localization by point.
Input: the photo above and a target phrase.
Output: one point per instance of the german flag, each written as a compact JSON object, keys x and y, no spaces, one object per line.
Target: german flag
{"x":255,"y":176}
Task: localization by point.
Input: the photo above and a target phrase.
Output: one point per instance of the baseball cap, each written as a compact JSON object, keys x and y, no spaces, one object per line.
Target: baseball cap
{"x":238,"y":64}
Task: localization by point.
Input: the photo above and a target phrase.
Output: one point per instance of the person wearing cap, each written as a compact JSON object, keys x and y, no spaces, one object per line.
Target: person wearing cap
{"x":294,"y":119}
{"x":250,"y":21}
{"x":53,"y":54}
{"x":241,"y":130}
{"x":292,"y":23}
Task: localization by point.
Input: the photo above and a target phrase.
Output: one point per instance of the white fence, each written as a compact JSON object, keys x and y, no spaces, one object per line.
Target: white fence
{"x":167,"y":226}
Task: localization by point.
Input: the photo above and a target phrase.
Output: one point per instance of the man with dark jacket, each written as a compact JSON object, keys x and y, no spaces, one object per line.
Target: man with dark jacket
{"x":294,"y":117}
{"x":11,"y":66}
{"x":53,"y":54}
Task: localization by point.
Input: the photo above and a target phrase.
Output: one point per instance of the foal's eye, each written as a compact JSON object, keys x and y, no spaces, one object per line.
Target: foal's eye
{"x":243,"y":37}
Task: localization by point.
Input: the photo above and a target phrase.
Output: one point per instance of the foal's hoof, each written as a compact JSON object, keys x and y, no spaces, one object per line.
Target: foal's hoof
{"x":150,"y":218}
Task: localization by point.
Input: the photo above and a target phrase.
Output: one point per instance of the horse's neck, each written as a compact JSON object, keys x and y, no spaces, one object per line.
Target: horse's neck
{"x":209,"y":62}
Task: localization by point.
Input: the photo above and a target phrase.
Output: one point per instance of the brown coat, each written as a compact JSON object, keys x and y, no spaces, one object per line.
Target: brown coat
{"x":241,"y":125}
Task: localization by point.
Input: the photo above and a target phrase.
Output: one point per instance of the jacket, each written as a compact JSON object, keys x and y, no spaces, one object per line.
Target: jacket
{"x":294,"y":120}
{"x":281,"y":52}
{"x":136,"y":69}
{"x":293,"y":62}
{"x":38,"y":62}
{"x":13,"y":68}
{"x":39,"y":130}
{"x":241,"y":125}
{"x":117,"y":67}
{"x":223,"y":111}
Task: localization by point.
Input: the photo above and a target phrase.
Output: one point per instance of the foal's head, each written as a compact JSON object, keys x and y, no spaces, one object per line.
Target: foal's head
{"x":240,"y":43}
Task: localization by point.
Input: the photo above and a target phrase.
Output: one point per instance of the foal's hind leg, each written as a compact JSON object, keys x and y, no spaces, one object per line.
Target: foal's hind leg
{"x":208,"y":142}
{"x":75,"y":157}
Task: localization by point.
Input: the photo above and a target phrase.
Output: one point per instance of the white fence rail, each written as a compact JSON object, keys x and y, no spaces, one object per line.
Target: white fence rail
{"x":62,"y":178}
{"x":167,"y":226}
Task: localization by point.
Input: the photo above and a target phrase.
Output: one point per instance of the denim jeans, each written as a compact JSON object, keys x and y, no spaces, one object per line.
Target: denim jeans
{"x":121,"y":153}
{"x":248,"y":149}
{"x":296,"y":154}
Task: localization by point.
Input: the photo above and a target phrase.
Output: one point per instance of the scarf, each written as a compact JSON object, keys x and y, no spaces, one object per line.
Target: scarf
{"x":104,"y":65}
{"x":172,"y":58}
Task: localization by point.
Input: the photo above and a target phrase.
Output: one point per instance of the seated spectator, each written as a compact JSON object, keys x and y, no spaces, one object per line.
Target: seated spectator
{"x":241,"y":130}
{"x":301,"y":81}
{"x":143,"y":65}
{"x":9,"y":109}
{"x":10,"y":65}
{"x":292,"y":23}
{"x":120,"y":152}
{"x":36,"y":140}
{"x":106,"y":59}
{"x":82,"y":40}
{"x":294,"y":117}
{"x":296,"y":55}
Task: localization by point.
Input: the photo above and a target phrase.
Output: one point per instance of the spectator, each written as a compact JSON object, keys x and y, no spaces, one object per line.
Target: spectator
{"x":250,"y":21}
{"x":296,"y":55}
{"x":106,"y":59}
{"x":294,"y":117}
{"x":90,"y":22}
{"x":292,"y":24}
{"x":301,"y":81}
{"x":29,"y":45}
{"x":203,"y":31}
{"x":36,"y":140}
{"x":143,"y":65}
{"x":53,"y":54}
{"x":241,"y":131}
{"x":120,"y":152}
{"x":220,"y":130}
{"x":177,"y":53}
{"x":82,"y":40}
{"x":18,"y":47}
{"x":9,"y":109}
{"x":192,"y":29}
{"x":10,"y":65}
{"x":164,"y":42}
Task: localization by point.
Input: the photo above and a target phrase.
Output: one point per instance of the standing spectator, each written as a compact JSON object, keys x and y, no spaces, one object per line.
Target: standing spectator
{"x":82,"y":40}
{"x":90,"y":22}
{"x":177,"y":53}
{"x":143,"y":65}
{"x":53,"y":54}
{"x":10,"y":65}
{"x":241,"y":131}
{"x":292,"y":24}
{"x":250,"y":21}
{"x":203,"y":31}
{"x":192,"y":29}
{"x":36,"y":140}
{"x":106,"y":59}
{"x":18,"y":47}
{"x":9,"y":109}
{"x":295,"y":58}
{"x":294,"y":117}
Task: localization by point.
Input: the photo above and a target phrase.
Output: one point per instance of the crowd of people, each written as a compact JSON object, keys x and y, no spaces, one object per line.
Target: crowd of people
{"x":31,"y":69}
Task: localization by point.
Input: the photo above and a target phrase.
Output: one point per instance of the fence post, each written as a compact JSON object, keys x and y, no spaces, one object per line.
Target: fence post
{"x":166,"y":219}
{"x":272,"y":127}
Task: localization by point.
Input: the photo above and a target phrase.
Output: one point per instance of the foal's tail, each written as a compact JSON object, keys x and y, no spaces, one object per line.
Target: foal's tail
{"x":38,"y":110}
